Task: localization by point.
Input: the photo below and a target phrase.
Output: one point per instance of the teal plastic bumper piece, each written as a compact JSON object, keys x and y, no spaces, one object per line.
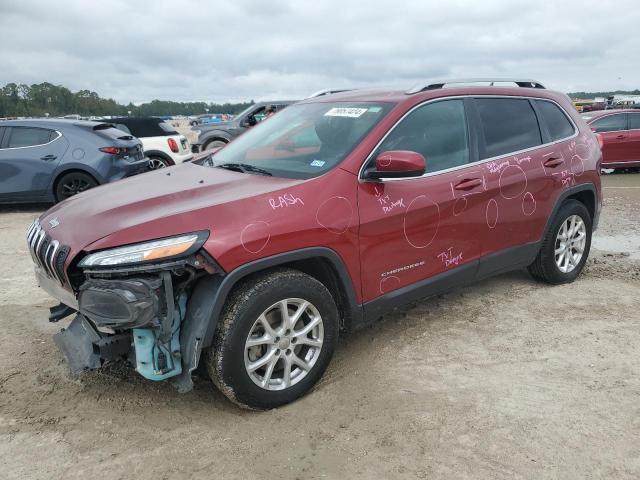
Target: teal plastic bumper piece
{"x":149,"y":350}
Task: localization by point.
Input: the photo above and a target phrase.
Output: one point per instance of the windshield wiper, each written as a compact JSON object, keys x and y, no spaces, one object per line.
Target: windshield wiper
{"x":245,"y":167}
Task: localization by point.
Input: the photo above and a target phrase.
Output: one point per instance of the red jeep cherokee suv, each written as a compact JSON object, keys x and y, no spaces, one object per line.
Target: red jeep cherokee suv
{"x":319,"y":220}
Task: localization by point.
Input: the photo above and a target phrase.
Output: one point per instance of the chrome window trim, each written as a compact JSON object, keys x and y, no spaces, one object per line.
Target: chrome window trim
{"x":576,"y":131}
{"x":32,"y":146}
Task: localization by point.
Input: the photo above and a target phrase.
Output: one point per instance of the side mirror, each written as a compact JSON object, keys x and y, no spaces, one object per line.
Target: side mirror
{"x":397,"y":164}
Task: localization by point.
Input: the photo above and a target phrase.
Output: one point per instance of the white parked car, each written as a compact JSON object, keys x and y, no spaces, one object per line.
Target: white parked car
{"x":161,"y":142}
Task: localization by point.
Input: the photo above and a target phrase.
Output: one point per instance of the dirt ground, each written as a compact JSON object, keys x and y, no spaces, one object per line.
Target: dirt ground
{"x":508,"y":379}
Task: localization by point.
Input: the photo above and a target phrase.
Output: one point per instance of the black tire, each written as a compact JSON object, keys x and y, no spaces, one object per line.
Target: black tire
{"x":214,"y":144}
{"x":225,"y":360}
{"x":156,"y":163}
{"x":73,"y":183}
{"x":544,"y":267}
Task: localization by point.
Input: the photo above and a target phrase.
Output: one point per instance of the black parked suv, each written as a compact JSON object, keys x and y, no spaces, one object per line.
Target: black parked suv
{"x":219,"y":134}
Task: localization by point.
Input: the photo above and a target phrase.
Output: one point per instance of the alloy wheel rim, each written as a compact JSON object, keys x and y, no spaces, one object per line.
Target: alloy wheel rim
{"x":570,"y":243}
{"x":284,"y":344}
{"x":155,"y":164}
{"x":74,"y":186}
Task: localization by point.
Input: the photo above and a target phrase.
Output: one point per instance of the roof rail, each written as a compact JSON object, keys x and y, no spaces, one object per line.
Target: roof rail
{"x":520,"y":82}
{"x":327,"y":91}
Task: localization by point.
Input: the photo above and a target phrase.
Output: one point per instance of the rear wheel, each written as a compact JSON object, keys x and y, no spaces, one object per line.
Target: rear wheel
{"x":156,"y":163}
{"x":214,"y":144}
{"x":73,"y":183}
{"x":274,"y":339}
{"x":566,"y":245}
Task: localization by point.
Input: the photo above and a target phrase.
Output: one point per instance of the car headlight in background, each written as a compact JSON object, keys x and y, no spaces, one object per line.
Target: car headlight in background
{"x":164,"y":248}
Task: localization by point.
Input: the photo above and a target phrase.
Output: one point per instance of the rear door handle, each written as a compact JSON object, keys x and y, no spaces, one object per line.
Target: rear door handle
{"x":553,"y":162}
{"x":468,"y":184}
{"x":48,"y":158}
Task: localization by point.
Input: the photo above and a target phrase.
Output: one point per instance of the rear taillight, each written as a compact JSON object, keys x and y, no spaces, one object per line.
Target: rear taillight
{"x":600,"y":140}
{"x":173,"y":145}
{"x":112,"y":150}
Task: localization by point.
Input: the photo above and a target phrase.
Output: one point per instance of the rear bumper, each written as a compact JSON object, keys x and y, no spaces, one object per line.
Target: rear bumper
{"x":123,"y":169}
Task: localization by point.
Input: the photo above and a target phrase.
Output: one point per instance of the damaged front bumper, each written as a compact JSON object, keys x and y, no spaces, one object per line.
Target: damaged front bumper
{"x":85,"y":348}
{"x":138,"y":315}
{"x":133,"y":319}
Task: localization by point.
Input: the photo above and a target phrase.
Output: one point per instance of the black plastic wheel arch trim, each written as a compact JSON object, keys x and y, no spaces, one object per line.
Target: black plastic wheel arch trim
{"x":210,"y":293}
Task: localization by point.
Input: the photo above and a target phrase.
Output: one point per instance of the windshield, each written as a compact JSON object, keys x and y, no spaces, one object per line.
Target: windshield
{"x":303,"y":141}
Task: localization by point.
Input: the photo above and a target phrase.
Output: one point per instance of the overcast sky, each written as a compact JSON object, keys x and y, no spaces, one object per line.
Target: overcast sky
{"x":134,"y":50}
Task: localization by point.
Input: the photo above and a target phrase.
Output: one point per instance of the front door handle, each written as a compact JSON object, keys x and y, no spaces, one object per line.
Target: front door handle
{"x":553,"y":162}
{"x":468,"y":184}
{"x":48,"y":158}
{"x":620,"y":137}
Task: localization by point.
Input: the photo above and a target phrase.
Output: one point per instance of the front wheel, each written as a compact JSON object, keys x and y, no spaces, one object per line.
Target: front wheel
{"x":274,"y":339}
{"x":565,"y":246}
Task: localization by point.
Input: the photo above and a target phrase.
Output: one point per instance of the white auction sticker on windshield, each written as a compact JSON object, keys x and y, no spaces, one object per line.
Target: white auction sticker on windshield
{"x":345,"y":112}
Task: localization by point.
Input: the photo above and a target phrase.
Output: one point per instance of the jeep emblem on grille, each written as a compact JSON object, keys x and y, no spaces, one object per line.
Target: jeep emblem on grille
{"x":54,"y":222}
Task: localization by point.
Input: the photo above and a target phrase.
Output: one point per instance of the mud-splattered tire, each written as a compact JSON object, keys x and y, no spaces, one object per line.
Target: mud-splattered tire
{"x":282,"y":340}
{"x":550,"y":266}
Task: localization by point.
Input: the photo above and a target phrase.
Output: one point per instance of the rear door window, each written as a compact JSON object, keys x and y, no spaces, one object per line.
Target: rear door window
{"x":634,"y":121}
{"x":556,"y":121}
{"x":610,"y":123}
{"x":28,"y":137}
{"x":508,"y":124}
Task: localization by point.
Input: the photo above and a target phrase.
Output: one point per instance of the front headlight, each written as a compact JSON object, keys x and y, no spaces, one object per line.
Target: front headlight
{"x":165,"y":248}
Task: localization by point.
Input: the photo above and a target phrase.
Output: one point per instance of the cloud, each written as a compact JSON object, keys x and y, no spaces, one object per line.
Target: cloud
{"x":251,"y":49}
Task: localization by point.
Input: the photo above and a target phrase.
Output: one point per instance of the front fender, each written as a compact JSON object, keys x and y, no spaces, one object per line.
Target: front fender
{"x":210,"y":294}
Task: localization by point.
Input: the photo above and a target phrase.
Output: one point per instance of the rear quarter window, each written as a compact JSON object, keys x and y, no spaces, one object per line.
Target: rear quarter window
{"x":509,"y":125}
{"x":556,"y":121}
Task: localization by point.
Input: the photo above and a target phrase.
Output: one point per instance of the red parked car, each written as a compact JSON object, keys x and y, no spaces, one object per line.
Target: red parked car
{"x":317,"y":221}
{"x":620,"y":132}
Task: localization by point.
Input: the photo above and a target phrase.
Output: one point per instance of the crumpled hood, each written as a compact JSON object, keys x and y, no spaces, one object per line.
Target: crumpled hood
{"x":156,"y":204}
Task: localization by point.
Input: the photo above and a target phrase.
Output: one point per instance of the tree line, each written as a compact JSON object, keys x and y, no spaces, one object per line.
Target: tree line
{"x":37,"y":100}
{"x":603,"y":94}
